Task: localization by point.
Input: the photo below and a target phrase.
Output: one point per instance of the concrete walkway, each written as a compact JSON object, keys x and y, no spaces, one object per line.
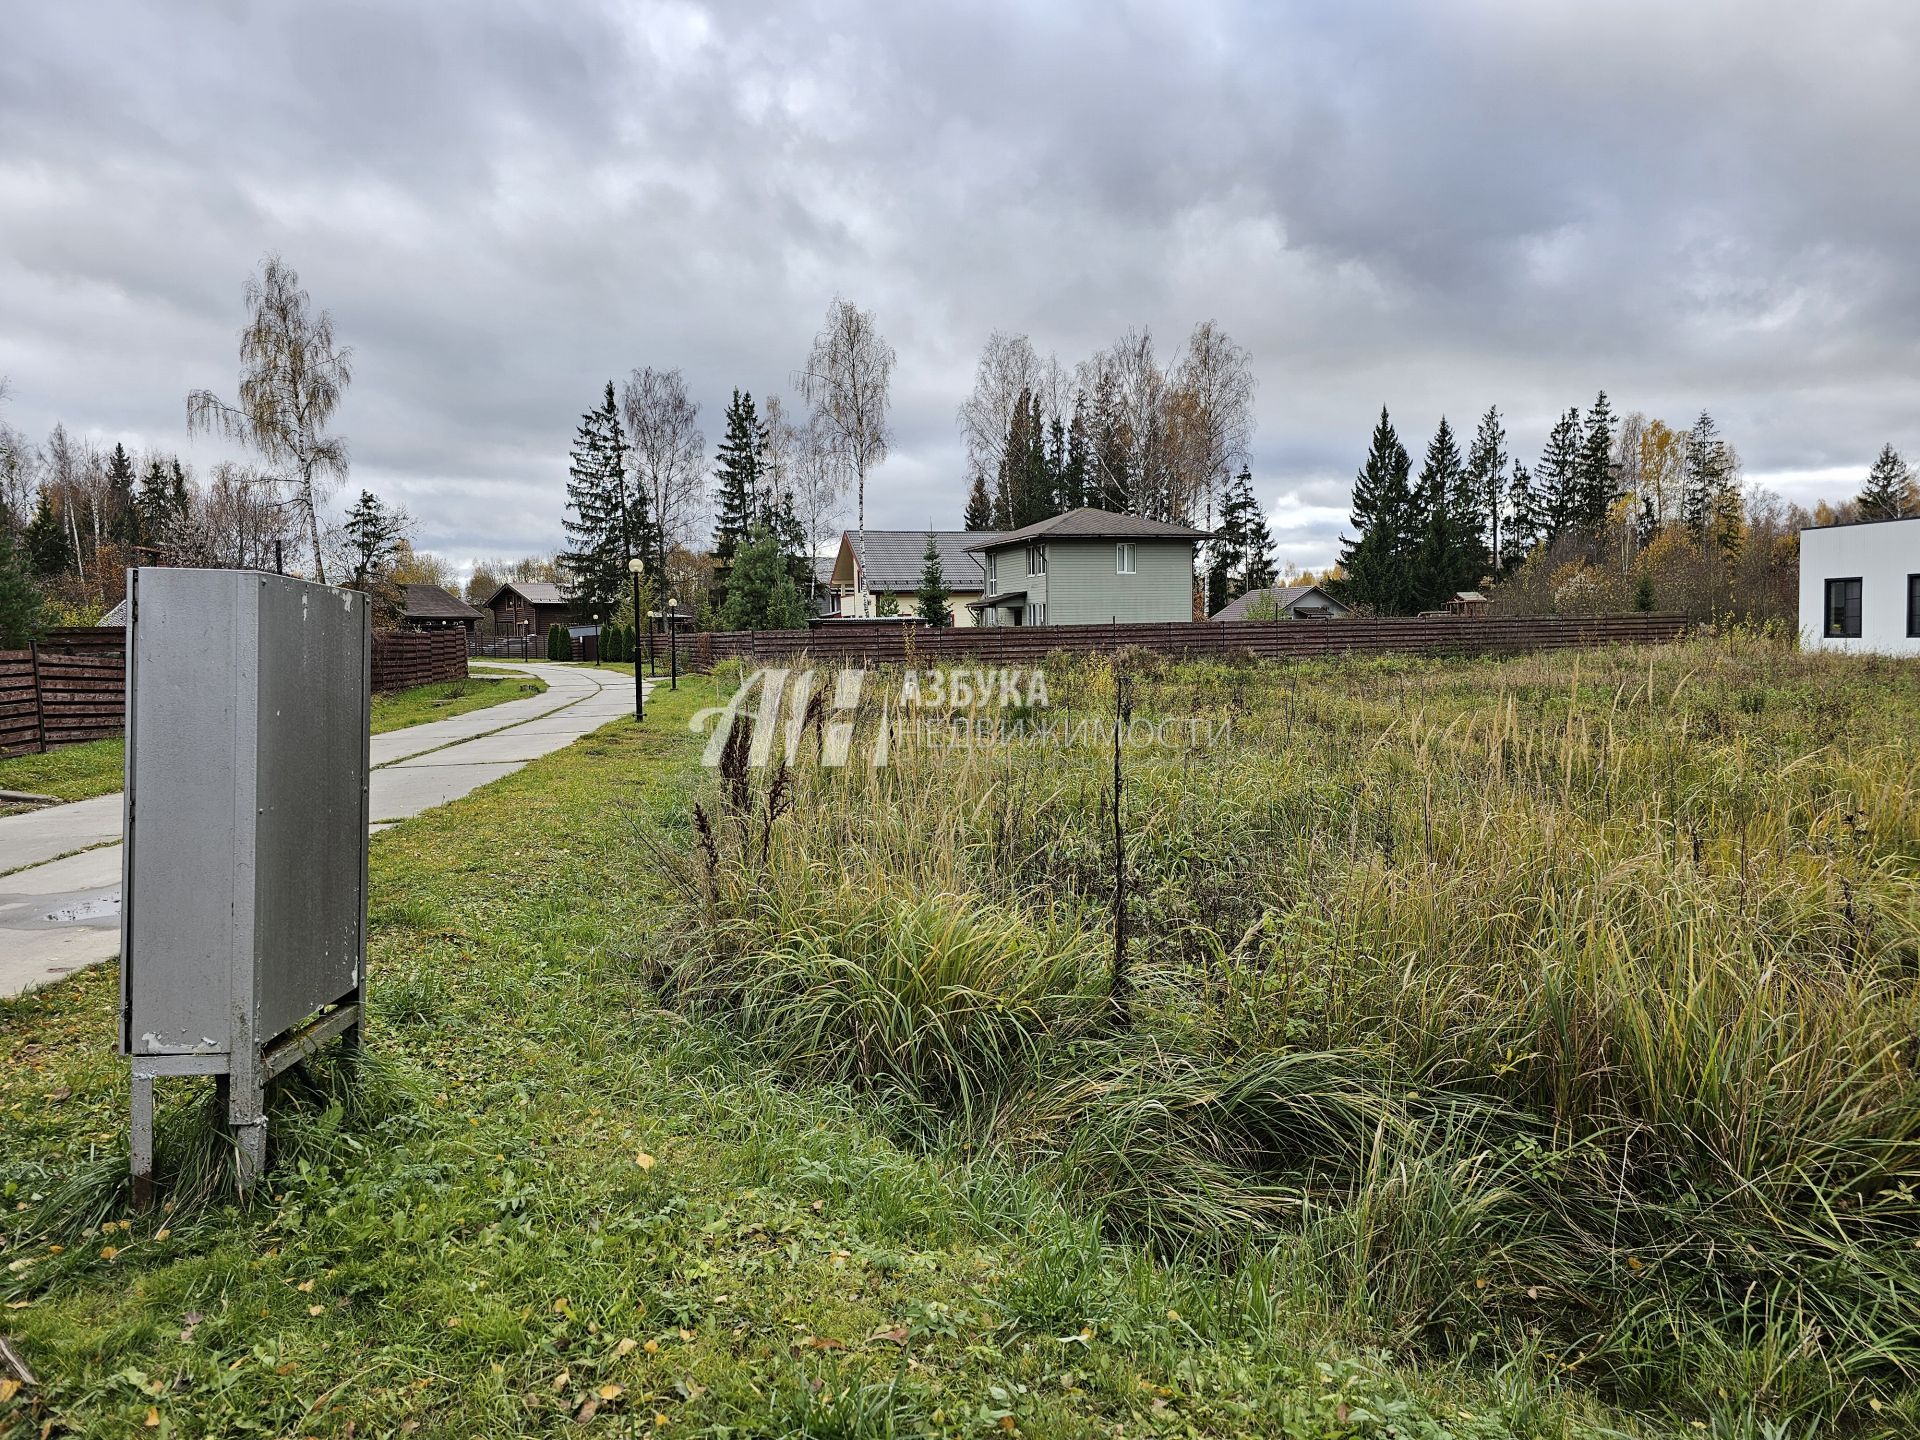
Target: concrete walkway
{"x":60,"y":911}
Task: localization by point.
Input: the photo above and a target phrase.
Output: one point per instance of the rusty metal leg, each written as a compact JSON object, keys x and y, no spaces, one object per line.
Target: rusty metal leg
{"x":247,"y":1119}
{"x":140,"y":1135}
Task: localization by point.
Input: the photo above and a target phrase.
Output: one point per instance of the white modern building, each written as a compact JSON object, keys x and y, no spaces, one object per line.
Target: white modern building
{"x":1860,"y":587}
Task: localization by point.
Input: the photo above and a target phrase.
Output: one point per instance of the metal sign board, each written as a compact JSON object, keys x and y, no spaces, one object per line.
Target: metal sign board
{"x":243,"y":913}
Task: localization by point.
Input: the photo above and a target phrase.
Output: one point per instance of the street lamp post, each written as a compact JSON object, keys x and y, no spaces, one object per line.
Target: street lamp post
{"x":673,"y":640}
{"x":634,"y":567}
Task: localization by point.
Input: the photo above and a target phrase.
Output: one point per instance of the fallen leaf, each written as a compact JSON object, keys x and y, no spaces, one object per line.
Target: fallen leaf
{"x":652,"y":1347}
{"x":658,"y":1419}
{"x":643,"y":1160}
{"x":63,"y":1093}
{"x":611,"y":1392}
{"x":163,"y":1233}
{"x":626,"y":1347}
{"x":898,"y":1335}
{"x":560,"y":1380}
{"x":589,"y":1408}
{"x":305,"y":1287}
{"x":316,"y":1309}
{"x":153,"y":1418}
{"x":824,"y":1342}
{"x":107,"y":1252}
{"x":8,"y":1389}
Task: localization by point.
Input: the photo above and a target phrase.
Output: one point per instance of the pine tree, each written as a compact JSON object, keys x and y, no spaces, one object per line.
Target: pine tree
{"x":123,"y":516}
{"x":1890,"y":492}
{"x":979,"y":514}
{"x":1598,"y":477}
{"x":935,"y":600}
{"x":738,"y":474}
{"x":1557,"y":478}
{"x":608,"y":521}
{"x":155,"y":504}
{"x":1383,"y":512}
{"x":1487,"y":480}
{"x":21,"y":617}
{"x":761,"y":594}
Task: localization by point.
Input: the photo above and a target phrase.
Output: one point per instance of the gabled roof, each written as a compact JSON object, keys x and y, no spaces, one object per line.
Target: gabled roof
{"x":1284,"y":596}
{"x":895,"y":557}
{"x":534,"y":592}
{"x":430,"y":602}
{"x":1091,"y":524}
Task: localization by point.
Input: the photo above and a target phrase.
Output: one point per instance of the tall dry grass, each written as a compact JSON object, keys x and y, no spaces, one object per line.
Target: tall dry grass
{"x":1566,"y":1001}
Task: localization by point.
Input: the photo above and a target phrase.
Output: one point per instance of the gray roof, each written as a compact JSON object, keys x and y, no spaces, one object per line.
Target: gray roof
{"x":1285,"y":596}
{"x":895,"y":558}
{"x":534,"y":592}
{"x":117,"y":616}
{"x":1091,"y":524}
{"x":430,"y":602}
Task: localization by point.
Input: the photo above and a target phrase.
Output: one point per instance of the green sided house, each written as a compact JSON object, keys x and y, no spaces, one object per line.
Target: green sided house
{"x":1087,"y":567}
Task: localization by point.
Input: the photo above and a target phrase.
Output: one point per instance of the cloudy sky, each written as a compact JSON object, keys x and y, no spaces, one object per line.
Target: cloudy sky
{"x":1432,"y":206}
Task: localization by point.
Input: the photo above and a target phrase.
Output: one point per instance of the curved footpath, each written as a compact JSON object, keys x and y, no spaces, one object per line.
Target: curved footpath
{"x":60,"y":910}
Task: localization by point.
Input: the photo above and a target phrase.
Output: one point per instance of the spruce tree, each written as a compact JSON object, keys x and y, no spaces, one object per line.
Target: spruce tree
{"x":1704,"y":477}
{"x":1487,"y":478}
{"x":123,"y":516}
{"x":155,"y":505}
{"x":935,"y":600}
{"x":738,"y":473}
{"x":1556,"y":479}
{"x":979,"y":514}
{"x":1890,"y":492}
{"x":761,"y":594}
{"x":1073,"y":475}
{"x":1526,"y":518}
{"x":1377,"y":562}
{"x":608,"y":521}
{"x":1240,"y":554}
{"x":1443,"y":554}
{"x":46,"y":541}
{"x":1598,"y":481}
{"x":22,"y":619}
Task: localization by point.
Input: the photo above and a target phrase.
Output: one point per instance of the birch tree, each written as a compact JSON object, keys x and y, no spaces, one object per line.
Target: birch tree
{"x":292,"y":377}
{"x":668,"y":455}
{"x":846,"y":381}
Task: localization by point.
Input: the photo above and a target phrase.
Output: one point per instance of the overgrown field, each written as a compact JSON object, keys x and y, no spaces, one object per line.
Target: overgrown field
{"x":551,"y":1207}
{"x":1556,"y":1013}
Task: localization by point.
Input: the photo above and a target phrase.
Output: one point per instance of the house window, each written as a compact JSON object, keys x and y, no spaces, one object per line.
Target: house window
{"x":993,"y":574}
{"x":1037,"y":614}
{"x":1123,"y":558}
{"x":1036,"y":560}
{"x":1843,"y":608}
{"x":1913,"y":605}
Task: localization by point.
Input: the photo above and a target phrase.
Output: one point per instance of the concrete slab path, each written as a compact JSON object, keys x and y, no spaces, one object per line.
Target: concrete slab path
{"x":60,"y":910}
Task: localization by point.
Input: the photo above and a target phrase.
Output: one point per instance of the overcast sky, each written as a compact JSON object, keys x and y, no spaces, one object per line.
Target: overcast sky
{"x":1432,"y":206}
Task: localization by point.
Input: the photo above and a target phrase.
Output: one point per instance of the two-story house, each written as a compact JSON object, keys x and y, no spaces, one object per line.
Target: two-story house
{"x":1088,"y":567}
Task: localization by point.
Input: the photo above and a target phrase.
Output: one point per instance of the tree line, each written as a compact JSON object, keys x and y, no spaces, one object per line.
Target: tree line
{"x":1615,"y":511}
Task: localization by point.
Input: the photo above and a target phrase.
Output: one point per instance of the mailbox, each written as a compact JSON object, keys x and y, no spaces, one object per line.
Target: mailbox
{"x":244,"y":901}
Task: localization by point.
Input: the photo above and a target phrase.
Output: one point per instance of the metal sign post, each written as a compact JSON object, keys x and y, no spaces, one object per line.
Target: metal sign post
{"x":244,"y":903}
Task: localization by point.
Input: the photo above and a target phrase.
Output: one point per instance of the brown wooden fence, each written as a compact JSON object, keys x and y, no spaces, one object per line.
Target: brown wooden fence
{"x":405,"y":658}
{"x":893,"y":644}
{"x":69,"y":688}
{"x":73,"y":685}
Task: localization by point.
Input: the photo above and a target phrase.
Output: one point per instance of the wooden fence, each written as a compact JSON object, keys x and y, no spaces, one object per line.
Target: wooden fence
{"x":69,"y":688}
{"x":405,"y":658}
{"x":73,"y":685}
{"x":893,"y":644}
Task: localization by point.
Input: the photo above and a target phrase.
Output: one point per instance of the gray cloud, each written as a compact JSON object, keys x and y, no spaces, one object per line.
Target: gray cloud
{"x":1437,"y":207}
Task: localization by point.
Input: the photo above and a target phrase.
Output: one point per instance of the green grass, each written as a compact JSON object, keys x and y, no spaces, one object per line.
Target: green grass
{"x":541,"y":1165}
{"x":1554,"y":1013}
{"x":444,"y":700}
{"x":80,"y":772}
